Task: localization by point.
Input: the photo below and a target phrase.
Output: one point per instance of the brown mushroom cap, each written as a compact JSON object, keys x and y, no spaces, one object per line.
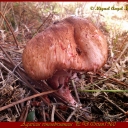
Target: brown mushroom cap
{"x":71,"y":44}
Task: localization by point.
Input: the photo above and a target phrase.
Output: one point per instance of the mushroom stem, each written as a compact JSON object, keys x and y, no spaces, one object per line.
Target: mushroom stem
{"x":60,"y":81}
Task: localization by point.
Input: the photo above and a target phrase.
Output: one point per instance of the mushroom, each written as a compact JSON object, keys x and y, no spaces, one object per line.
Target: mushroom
{"x":72,"y":44}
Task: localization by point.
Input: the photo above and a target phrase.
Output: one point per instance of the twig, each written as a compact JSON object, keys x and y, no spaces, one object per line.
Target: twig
{"x":5,"y":11}
{"x":8,"y":70}
{"x":119,"y":82}
{"x":60,"y":116}
{"x":53,"y":112}
{"x":115,"y":105}
{"x":114,"y":116}
{"x":25,"y":112}
{"x":17,"y":110}
{"x":125,"y":48}
{"x":103,"y":90}
{"x":97,"y":82}
{"x":100,"y":89}
{"x":43,"y":22}
{"x":78,"y":100}
{"x":16,"y":66}
{"x":25,"y":99}
{"x":105,"y":79}
{"x":3,"y":81}
{"x":43,"y":114}
{"x":70,"y":116}
{"x":9,"y":28}
{"x":7,"y":55}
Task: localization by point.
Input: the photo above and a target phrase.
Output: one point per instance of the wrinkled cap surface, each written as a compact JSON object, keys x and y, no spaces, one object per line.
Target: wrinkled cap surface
{"x":71,"y":44}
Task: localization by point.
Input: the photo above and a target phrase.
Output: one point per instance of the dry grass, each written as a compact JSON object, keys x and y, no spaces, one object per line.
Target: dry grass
{"x":104,"y":94}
